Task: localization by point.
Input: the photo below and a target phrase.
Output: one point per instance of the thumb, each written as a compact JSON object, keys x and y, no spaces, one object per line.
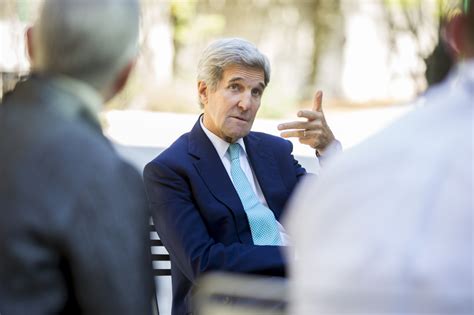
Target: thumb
{"x":318,"y":101}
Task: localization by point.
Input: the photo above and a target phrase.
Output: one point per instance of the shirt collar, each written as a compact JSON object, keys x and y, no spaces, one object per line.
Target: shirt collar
{"x":466,"y":69}
{"x":220,"y":145}
{"x":462,"y":76}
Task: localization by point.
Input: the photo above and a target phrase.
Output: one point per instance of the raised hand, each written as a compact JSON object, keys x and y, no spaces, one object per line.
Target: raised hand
{"x":315,"y":131}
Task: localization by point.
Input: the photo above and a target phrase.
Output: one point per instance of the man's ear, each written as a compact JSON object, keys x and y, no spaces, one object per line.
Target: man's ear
{"x":203,"y":91}
{"x":29,"y":44}
{"x":120,"y":81}
{"x":122,"y":78}
{"x":455,"y":34}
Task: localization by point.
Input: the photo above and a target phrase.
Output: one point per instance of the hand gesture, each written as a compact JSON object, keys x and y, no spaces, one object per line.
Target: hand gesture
{"x":315,"y":131}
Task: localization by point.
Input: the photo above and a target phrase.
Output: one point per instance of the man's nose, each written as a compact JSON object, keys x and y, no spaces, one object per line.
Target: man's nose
{"x":246,"y":101}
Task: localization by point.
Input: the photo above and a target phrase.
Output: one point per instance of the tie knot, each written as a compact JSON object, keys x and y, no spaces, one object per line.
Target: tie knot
{"x":234,"y":149}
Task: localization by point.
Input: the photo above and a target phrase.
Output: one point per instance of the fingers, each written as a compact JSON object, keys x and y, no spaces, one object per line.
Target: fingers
{"x":292,"y":125}
{"x":318,"y":101}
{"x":292,"y":134}
{"x":301,"y":125}
{"x":312,"y":142}
{"x":315,"y":121}
{"x":301,"y":133}
{"x":310,"y":114}
{"x":313,"y":138}
{"x":309,"y":130}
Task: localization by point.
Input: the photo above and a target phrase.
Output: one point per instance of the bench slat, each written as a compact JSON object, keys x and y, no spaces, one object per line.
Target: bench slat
{"x":156,"y":242}
{"x":159,"y":257}
{"x":161,"y":272}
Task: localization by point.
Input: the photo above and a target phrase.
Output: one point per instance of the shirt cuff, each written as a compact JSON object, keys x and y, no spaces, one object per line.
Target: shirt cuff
{"x":332,"y":150}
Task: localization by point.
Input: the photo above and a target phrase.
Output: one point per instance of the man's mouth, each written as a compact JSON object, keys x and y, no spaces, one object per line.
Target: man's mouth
{"x":239,"y":118}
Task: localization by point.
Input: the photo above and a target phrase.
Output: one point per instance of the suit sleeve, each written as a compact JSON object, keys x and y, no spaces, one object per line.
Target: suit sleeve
{"x":184,"y":233}
{"x":300,"y":171}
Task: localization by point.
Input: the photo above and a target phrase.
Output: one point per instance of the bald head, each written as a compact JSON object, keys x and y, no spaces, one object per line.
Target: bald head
{"x":90,"y":40}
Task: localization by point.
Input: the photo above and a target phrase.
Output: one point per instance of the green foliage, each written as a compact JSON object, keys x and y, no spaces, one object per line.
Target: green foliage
{"x":209,"y":24}
{"x":182,"y":13}
{"x":189,"y":25}
{"x":443,"y":7}
{"x":24,"y":10}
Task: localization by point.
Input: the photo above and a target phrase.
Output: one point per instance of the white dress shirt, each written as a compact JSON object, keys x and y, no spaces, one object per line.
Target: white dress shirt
{"x":221,"y":147}
{"x":391,"y":230}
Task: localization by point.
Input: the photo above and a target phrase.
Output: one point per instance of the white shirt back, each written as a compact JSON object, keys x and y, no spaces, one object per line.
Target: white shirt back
{"x":391,"y":230}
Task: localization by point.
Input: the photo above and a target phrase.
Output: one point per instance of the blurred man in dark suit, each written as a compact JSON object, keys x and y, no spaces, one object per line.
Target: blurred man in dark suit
{"x":73,"y":217}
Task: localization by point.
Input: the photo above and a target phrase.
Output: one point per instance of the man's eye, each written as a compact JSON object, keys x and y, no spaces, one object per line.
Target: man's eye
{"x":234,"y":87}
{"x":256,"y":92}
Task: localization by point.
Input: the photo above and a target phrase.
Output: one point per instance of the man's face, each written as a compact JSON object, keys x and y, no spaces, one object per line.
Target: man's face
{"x":230,"y":109}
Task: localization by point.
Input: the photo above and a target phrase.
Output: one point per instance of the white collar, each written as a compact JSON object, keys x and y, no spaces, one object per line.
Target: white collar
{"x":219,"y":144}
{"x":466,"y":69}
{"x":462,"y":76}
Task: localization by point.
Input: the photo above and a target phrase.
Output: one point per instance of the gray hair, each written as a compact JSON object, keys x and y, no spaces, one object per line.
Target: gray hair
{"x":90,"y":40}
{"x":226,"y":52}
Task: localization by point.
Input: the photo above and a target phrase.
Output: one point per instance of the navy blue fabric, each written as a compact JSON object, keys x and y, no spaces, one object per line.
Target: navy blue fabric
{"x":198,"y":213}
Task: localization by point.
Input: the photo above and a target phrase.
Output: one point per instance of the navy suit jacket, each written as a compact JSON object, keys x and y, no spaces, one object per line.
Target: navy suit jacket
{"x":198,"y":213}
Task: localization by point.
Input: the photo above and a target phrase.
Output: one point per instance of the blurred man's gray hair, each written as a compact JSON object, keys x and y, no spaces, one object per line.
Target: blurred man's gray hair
{"x":226,"y":52}
{"x":90,"y":40}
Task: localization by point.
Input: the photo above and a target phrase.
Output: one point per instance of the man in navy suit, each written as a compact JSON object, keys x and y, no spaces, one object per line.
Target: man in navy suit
{"x":199,"y":204}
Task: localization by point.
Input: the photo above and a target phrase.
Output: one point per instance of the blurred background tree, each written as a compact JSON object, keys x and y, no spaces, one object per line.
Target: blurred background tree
{"x":423,"y":22}
{"x":360,"y":53}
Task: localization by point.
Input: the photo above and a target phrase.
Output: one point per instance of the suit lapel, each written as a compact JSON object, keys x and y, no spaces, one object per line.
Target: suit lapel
{"x":213,"y":173}
{"x":266,"y":170}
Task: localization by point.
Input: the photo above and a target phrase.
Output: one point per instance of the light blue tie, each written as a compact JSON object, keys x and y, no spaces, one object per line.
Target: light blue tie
{"x":263,"y":224}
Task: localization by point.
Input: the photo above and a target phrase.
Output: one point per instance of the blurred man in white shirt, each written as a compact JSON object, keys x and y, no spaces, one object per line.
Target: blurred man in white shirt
{"x":391,"y":232}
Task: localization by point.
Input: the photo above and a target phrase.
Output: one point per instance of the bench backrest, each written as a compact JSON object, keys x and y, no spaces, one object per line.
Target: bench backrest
{"x":159,"y":255}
